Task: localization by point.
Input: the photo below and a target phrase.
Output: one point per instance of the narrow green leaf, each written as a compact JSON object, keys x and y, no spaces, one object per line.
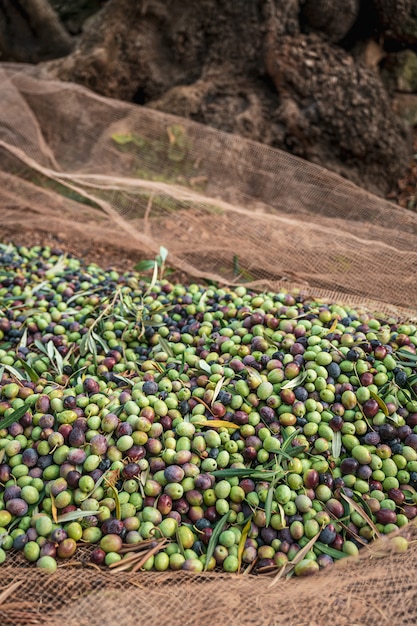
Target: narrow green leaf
{"x":163,"y":253}
{"x":166,"y":347}
{"x":282,"y":514}
{"x":217,"y":530}
{"x":407,"y":355}
{"x":203,"y":365}
{"x":295,"y":382}
{"x":33,"y":375}
{"x":91,"y":344}
{"x":41,"y":347}
{"x":39,"y":287}
{"x":292,"y":452}
{"x":144,"y":266}
{"x":217,"y":389}
{"x":124,"y":379}
{"x":13,"y":417}
{"x":288,"y":439}
{"x":336,"y":444}
{"x":325,"y":549}
{"x":59,"y":361}
{"x":50,"y":350}
{"x":74,"y":515}
{"x":359,"y":509}
{"x":270,"y":499}
{"x":23,"y":339}
{"x":103,"y":343}
{"x":16,"y":373}
{"x":84,"y":345}
{"x":247,"y":472}
{"x":154,"y":277}
{"x":116,"y":500}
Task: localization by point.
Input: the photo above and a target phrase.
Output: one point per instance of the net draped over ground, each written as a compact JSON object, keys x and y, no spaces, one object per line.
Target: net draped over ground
{"x":226,"y":208}
{"x":232,"y":211}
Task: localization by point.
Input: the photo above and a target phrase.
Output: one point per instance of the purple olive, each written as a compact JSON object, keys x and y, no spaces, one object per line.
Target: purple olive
{"x":370,"y":407}
{"x":43,"y":404}
{"x":386,"y":516}
{"x":112,"y":526}
{"x":97,"y":556}
{"x":17,"y":506}
{"x":66,"y":549}
{"x":47,"y":420}
{"x":349,"y":465}
{"x":311,"y":478}
{"x":15,"y":429}
{"x":98,"y":444}
{"x":335,"y":507}
{"x":164,"y":504}
{"x":5,"y":472}
{"x":48,"y":549}
{"x":76,"y":438}
{"x":137,"y":452}
{"x":130,"y":470}
{"x":174,"y":474}
{"x":91,"y":386}
{"x":203,"y":482}
{"x":11,"y":492}
{"x":76,"y":456}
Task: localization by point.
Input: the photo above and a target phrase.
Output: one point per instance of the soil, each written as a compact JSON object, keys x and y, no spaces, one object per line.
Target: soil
{"x":105,"y":255}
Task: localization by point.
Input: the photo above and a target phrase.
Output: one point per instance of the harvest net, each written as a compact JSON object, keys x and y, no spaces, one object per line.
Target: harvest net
{"x":234,"y":212}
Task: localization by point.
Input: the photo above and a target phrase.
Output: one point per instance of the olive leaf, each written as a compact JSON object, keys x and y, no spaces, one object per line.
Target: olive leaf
{"x":217,"y":389}
{"x":407,"y":355}
{"x":217,"y":530}
{"x":333,"y":326}
{"x":325,"y":549}
{"x":269,"y":499}
{"x":32,"y":373}
{"x":116,"y":499}
{"x":289,"y":567}
{"x":54,"y":510}
{"x":336,"y":444}
{"x":242,"y":541}
{"x":13,"y":417}
{"x":74,"y":515}
{"x":360,"y":510}
{"x":12,"y":370}
{"x":166,"y":347}
{"x":203,"y":365}
{"x":145,"y":265}
{"x":295,"y":382}
{"x":215,"y":424}
{"x":380,"y":402}
{"x":23,"y":339}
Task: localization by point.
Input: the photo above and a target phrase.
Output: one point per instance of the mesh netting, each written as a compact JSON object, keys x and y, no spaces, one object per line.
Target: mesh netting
{"x":377,"y":587}
{"x":232,"y":211}
{"x":226,"y":208}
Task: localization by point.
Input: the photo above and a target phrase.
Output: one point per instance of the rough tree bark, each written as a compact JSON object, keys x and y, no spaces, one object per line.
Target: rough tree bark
{"x":289,"y":73}
{"x":30,"y":31}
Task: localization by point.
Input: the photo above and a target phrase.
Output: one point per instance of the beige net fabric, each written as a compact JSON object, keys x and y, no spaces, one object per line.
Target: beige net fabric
{"x":232,"y":211}
{"x":377,"y":588}
{"x":226,"y":208}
